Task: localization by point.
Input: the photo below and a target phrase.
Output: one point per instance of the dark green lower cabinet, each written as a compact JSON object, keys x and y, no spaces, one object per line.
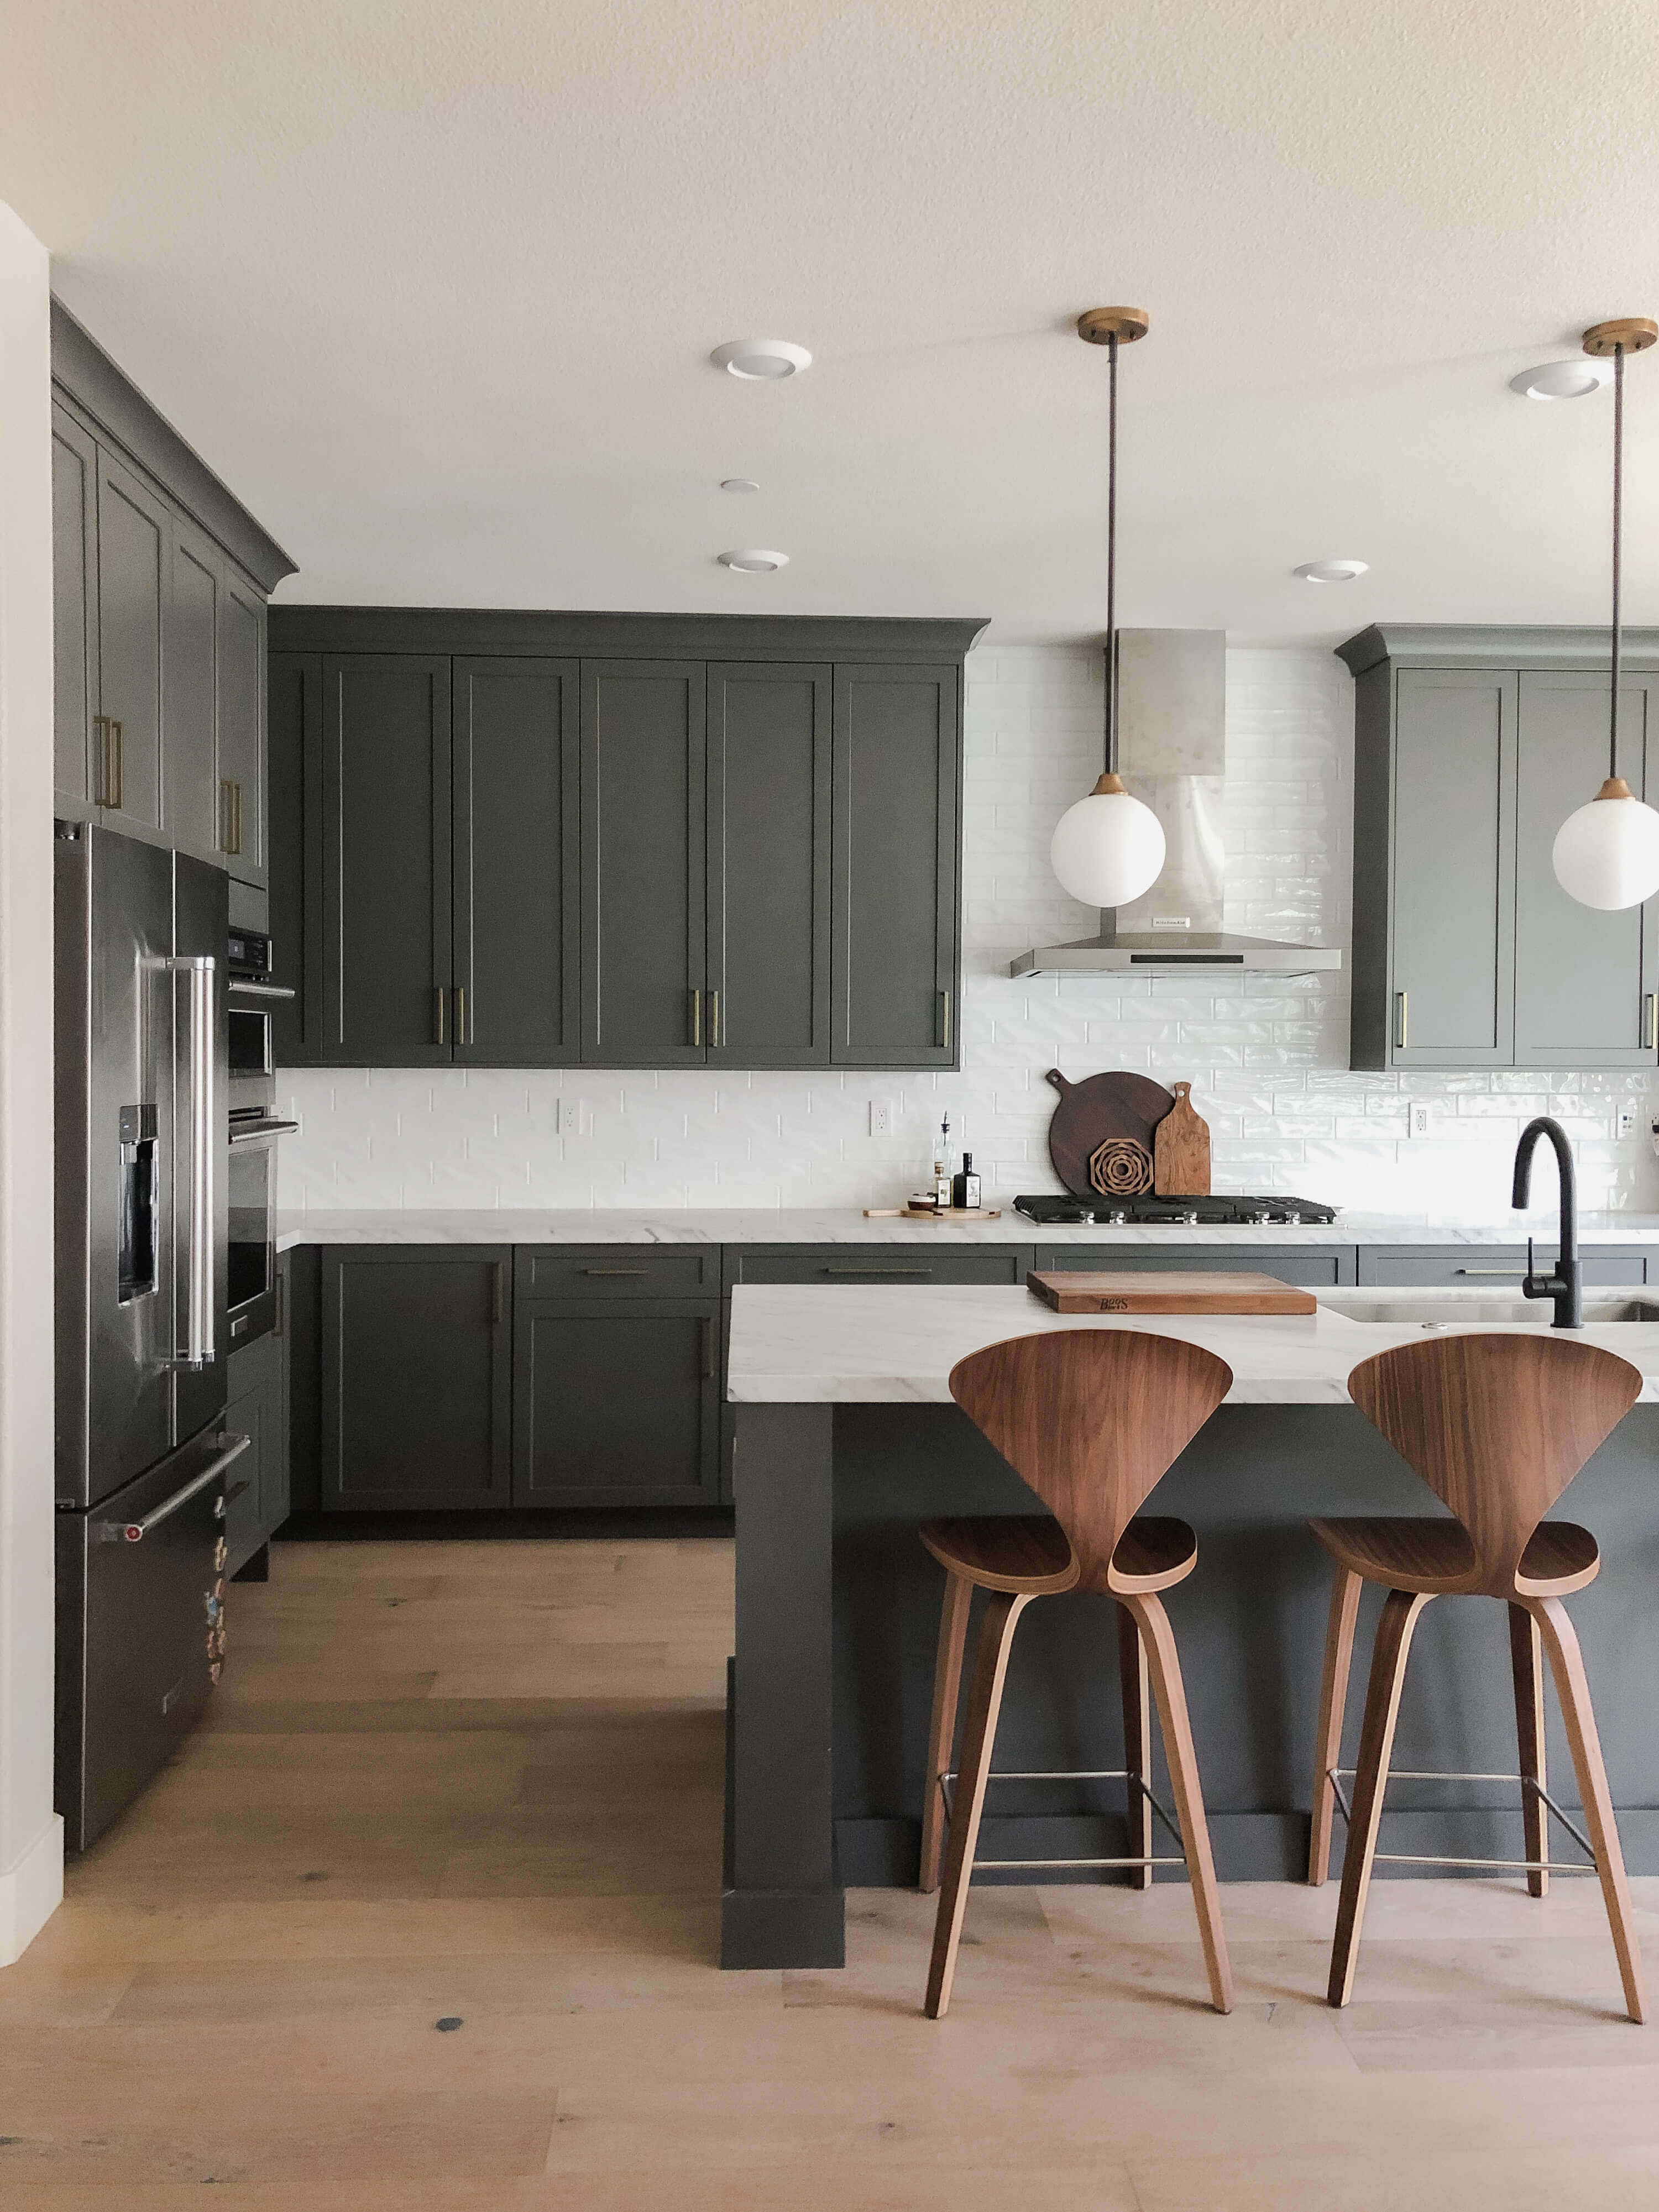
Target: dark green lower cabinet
{"x":617,"y":1401}
{"x":257,"y":1487}
{"x":416,"y":1376}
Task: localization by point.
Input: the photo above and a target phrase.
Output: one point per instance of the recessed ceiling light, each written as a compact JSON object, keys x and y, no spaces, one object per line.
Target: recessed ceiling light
{"x":753,"y":560}
{"x":761,"y":358}
{"x":739,"y":484}
{"x":1330,"y":572}
{"x":1563,"y":380}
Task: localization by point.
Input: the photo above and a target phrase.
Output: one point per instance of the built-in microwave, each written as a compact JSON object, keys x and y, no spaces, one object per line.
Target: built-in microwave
{"x":255,"y":1126}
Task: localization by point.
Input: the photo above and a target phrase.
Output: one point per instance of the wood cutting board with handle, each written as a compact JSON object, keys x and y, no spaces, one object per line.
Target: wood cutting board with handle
{"x":1101,"y":1137}
{"x":1180,"y":1150}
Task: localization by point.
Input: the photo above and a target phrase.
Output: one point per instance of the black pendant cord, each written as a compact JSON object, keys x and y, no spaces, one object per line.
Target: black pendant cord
{"x":1617,"y":549}
{"x":1111,"y":553}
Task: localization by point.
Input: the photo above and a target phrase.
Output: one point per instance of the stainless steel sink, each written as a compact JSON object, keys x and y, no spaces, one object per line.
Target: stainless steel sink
{"x":1436,"y":1309}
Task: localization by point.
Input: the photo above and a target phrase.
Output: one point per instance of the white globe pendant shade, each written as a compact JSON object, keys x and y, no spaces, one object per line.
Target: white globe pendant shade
{"x":1607,"y":855}
{"x":1108,"y":848}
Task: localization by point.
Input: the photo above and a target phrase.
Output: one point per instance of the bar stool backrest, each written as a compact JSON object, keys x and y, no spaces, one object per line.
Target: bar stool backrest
{"x":1091,"y":1419}
{"x":1497,"y":1426}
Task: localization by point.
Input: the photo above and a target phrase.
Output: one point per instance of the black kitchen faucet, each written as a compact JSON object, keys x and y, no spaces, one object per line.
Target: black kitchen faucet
{"x":1566,"y":1284}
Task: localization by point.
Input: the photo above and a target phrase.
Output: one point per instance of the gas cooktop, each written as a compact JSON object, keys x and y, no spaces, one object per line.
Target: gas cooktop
{"x":1049,"y":1207}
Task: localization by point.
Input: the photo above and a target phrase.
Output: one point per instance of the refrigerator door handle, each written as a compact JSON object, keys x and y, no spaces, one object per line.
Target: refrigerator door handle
{"x":198,"y":971}
{"x":134,"y":1532}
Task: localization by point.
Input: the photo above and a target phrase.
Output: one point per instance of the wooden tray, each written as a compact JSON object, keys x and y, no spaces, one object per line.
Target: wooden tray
{"x":933,"y":1213}
{"x":1141,"y":1292}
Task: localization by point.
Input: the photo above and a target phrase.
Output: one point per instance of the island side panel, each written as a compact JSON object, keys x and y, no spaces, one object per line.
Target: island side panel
{"x":783,"y":1904}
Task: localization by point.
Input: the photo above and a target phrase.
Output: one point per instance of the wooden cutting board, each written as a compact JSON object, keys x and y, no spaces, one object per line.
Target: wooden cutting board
{"x":1144,"y":1292}
{"x":1180,"y":1150}
{"x":1101,"y":1137}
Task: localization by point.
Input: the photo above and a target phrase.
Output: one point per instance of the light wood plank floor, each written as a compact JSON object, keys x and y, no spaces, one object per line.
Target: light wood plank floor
{"x":480,"y":1784}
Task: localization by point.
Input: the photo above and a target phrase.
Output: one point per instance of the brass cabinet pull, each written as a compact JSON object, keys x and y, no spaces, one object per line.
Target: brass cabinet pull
{"x":1512,"y":1275}
{"x":279,"y":1321}
{"x":440,"y":994}
{"x":461,"y":1033}
{"x":615,"y":1271}
{"x":1400,"y":1021}
{"x":696,"y":1017}
{"x":110,"y":762}
{"x":230,"y":807}
{"x":714,"y":1020}
{"x":877,"y":1271}
{"x":101,"y":733}
{"x":945,"y":1022}
{"x":708,"y":1349}
{"x":1650,"y":1021}
{"x":118,"y":766}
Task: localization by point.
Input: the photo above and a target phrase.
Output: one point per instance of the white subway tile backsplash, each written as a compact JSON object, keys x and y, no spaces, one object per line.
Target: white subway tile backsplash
{"x":1267,"y":1056}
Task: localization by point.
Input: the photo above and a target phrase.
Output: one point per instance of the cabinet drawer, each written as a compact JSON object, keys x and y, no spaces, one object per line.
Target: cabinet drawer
{"x":615,"y":1271}
{"x":1313,"y":1264}
{"x":880,"y":1263}
{"x":1490,"y":1265}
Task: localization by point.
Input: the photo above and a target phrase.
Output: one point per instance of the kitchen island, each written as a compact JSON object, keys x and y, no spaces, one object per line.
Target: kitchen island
{"x":845,"y":1438}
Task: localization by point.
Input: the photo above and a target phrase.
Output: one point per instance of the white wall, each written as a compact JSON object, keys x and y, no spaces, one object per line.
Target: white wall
{"x":1268,"y":1060}
{"x":31,"y":1835}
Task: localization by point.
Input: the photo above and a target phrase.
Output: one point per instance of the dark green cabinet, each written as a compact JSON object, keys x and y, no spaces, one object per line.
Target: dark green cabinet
{"x":1471,"y":749}
{"x":132,"y":590}
{"x":617,"y":1401}
{"x":256,"y":1408}
{"x":189,"y":791}
{"x":897,"y":772}
{"x":1583,"y":979}
{"x":644,"y":863}
{"x":415,"y":1376}
{"x":240,"y":820}
{"x":515,"y":814}
{"x":385,"y":860}
{"x":74,"y":602}
{"x":652,"y":860}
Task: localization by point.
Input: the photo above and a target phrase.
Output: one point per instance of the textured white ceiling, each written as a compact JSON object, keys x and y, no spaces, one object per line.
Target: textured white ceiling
{"x":433,"y":284}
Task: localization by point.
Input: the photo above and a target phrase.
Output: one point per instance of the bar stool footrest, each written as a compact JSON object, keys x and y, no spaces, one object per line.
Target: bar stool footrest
{"x":1336,"y":1774}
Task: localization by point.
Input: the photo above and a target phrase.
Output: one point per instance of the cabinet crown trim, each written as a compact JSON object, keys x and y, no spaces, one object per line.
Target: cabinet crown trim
{"x":1494,"y":645}
{"x":608,"y":636}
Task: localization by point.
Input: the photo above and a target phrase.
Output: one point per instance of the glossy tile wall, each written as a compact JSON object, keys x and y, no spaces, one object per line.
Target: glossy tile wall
{"x":1267,"y":1057}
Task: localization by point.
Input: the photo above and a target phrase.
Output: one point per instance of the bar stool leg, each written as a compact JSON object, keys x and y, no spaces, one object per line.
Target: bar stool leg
{"x":996,"y":1635}
{"x":942,"y":1730}
{"x":1333,"y":1703}
{"x":1526,"y":1664}
{"x":1400,"y":1611}
{"x":1572,"y":1687}
{"x":1157,"y":1638}
{"x":1137,"y":1741}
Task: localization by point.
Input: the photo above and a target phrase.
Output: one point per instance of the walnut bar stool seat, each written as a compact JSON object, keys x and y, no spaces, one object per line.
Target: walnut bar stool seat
{"x":1091,"y":1419}
{"x":1497,"y":1426}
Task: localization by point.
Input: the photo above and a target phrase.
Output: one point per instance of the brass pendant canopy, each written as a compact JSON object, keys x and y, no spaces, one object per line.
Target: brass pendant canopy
{"x":1100,"y":326}
{"x":1628,"y":334}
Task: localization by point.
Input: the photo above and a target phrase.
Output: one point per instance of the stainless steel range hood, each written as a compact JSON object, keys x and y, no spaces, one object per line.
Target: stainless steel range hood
{"x":1171,"y":715}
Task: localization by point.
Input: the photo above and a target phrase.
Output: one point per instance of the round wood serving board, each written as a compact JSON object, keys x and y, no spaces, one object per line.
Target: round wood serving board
{"x":1098,"y":1110}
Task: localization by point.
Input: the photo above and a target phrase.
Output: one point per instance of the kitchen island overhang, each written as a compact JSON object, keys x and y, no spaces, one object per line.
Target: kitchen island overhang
{"x":847,"y":1438}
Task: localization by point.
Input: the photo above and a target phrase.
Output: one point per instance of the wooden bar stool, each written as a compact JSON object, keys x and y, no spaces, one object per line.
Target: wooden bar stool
{"x":1497,"y":1426}
{"x":1091,"y":1419}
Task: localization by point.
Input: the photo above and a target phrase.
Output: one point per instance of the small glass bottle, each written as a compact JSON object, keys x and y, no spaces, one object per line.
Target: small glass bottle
{"x":964,"y":1187}
{"x":941,"y":1167}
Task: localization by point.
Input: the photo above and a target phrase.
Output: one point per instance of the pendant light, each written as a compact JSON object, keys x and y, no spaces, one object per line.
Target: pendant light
{"x":1108,"y":848}
{"x":1607,"y":855}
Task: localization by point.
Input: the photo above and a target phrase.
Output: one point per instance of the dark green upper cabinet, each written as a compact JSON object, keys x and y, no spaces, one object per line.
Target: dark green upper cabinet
{"x":385,"y":852}
{"x":644,"y":865}
{"x":769,"y":866}
{"x":634,"y":857}
{"x":1471,"y":749}
{"x":133,"y":592}
{"x":894,"y":960}
{"x":1582,"y":978}
{"x":189,"y":791}
{"x":239,"y":831}
{"x":74,"y":601}
{"x":516,"y":824}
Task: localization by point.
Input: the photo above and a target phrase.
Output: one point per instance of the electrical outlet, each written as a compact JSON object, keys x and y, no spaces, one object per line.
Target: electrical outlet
{"x":571,"y":1117}
{"x":1627,"y":1120}
{"x":881,"y":1118}
{"x":1417,"y":1119}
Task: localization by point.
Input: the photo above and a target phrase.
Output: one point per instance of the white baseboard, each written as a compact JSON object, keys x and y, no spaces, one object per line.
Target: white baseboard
{"x":31,"y":1892}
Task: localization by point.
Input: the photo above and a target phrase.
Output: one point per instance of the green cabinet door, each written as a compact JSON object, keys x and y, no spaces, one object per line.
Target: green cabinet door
{"x":516,"y":823}
{"x":617,"y":1401}
{"x":1582,"y":977}
{"x":1453,"y":890}
{"x":191,"y":669}
{"x":74,"y":602}
{"x":894,"y":967}
{"x":385,"y":824}
{"x":242,"y":691}
{"x":294,"y":738}
{"x":643,"y":864}
{"x":133,"y":532}
{"x":255,"y":1408}
{"x":769,"y":866}
{"x":416,"y":1376}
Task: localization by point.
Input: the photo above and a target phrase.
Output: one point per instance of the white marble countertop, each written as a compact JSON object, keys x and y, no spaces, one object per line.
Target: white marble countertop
{"x":846,"y":1225}
{"x":795,"y":1344}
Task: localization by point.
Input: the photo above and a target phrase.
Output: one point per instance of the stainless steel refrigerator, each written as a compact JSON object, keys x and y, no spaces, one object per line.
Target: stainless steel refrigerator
{"x":142,"y":1453}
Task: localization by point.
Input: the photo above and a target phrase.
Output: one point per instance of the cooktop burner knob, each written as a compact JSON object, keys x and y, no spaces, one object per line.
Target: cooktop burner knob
{"x":1293,"y":1220}
{"x":1191,"y":1218}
